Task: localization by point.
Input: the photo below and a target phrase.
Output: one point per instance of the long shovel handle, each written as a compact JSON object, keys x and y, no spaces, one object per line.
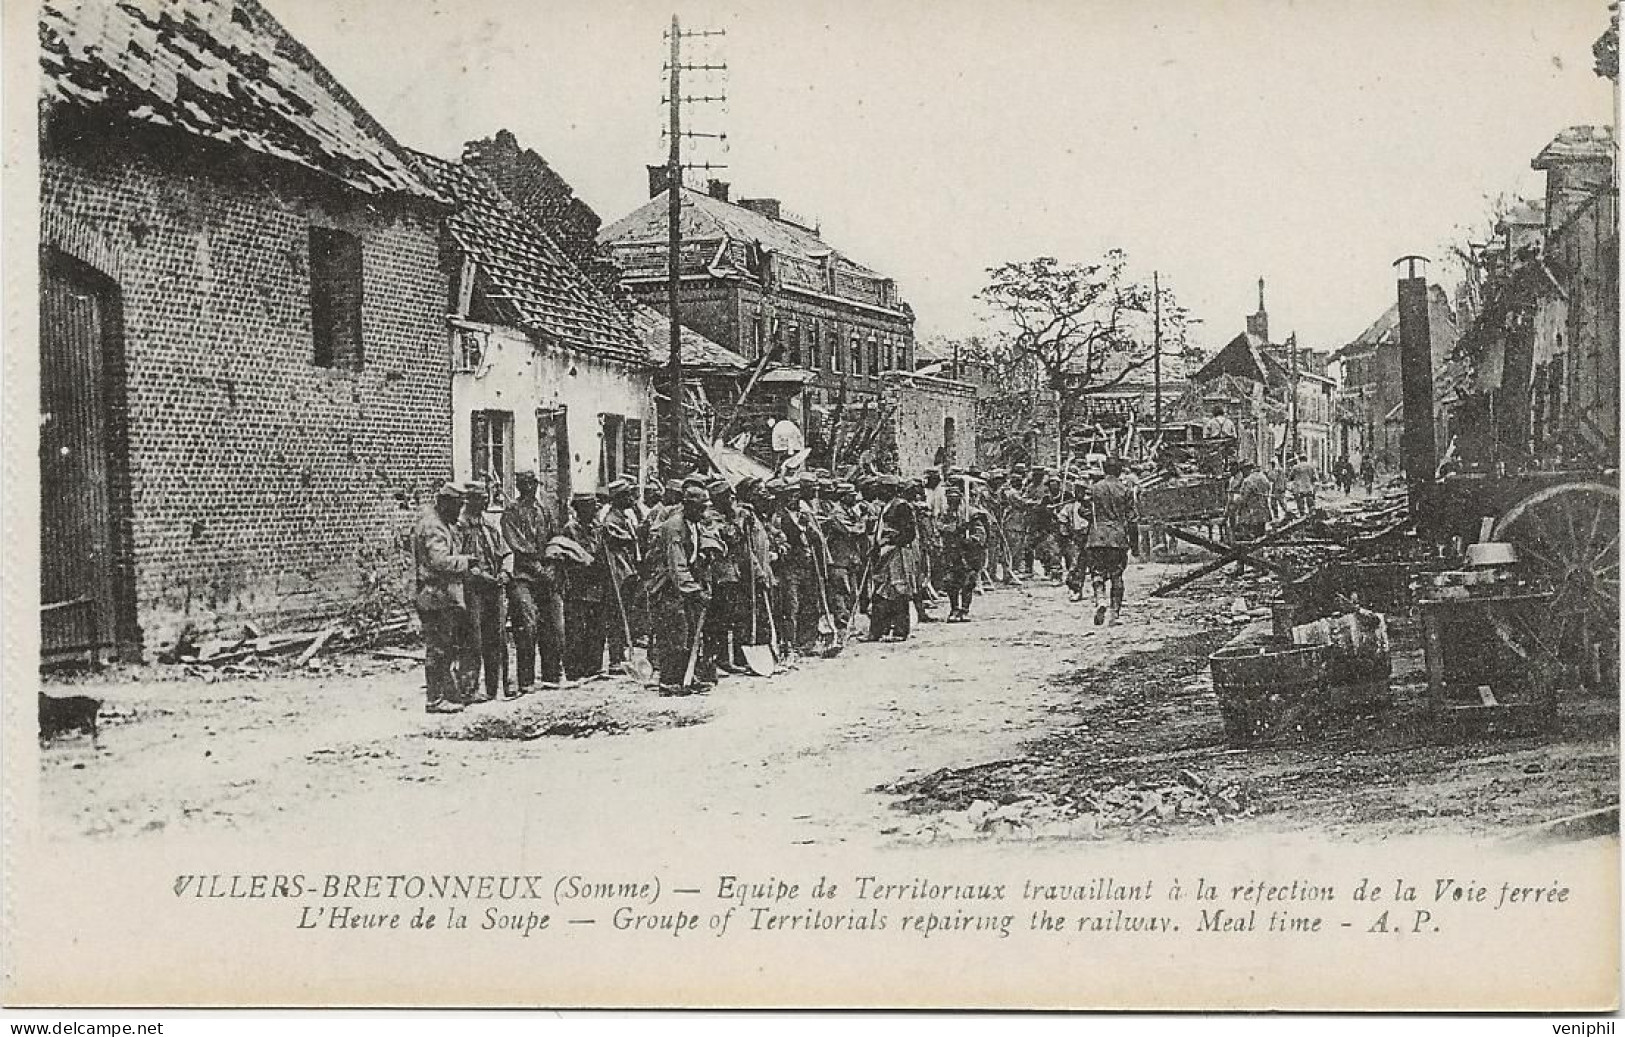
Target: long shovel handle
{"x":694,"y":649}
{"x":620,"y":605}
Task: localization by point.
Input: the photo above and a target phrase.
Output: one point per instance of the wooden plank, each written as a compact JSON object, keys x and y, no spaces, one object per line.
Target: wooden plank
{"x":315,"y":646}
{"x":1238,"y":553}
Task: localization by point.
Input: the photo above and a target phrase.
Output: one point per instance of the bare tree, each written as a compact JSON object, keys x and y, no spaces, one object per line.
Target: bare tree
{"x":1084,"y":327}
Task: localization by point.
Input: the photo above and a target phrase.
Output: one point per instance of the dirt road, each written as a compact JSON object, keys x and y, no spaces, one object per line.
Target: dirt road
{"x":1028,"y":722}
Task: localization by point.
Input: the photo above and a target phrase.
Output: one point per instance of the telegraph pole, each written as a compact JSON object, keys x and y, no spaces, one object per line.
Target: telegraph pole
{"x":1156,"y":358}
{"x":671,"y":438}
{"x":1292,"y":361}
{"x":671,"y":418}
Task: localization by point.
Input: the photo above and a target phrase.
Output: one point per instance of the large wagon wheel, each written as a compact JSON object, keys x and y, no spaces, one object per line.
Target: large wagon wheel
{"x":1567,"y":534}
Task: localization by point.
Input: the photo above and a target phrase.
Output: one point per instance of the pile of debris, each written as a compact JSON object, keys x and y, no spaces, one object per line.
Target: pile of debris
{"x":302,"y":647}
{"x":1086,"y":815}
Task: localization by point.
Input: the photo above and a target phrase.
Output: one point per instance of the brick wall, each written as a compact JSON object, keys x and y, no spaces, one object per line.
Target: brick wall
{"x":917,"y":427}
{"x":262,"y":486}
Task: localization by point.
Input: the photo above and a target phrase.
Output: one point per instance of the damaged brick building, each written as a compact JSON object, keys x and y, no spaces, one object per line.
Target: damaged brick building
{"x":244,"y":372}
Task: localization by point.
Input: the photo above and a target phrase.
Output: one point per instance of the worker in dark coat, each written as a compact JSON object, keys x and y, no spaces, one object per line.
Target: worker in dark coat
{"x":1113,"y":528}
{"x":586,"y":590}
{"x":896,"y":576}
{"x":441,"y":567}
{"x":964,"y":529}
{"x":538,"y":607}
{"x":756,"y":564}
{"x":679,"y":588}
{"x":844,"y":532}
{"x":485,"y":645}
{"x":723,"y":634}
{"x":625,"y":534}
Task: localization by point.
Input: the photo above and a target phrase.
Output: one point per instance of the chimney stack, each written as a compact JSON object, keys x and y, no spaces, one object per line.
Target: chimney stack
{"x":768,"y":207}
{"x":1417,"y":449}
{"x":659,"y":177}
{"x":717,"y":189}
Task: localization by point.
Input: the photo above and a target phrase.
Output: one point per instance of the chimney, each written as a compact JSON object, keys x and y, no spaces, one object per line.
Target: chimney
{"x":717,"y":189}
{"x":768,"y":207}
{"x":1259,"y":323}
{"x":1417,"y":449}
{"x":658,"y":179}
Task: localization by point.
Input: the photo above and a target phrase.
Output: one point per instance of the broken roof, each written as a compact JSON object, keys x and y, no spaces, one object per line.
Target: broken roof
{"x":523,"y":272}
{"x":1578,"y":144}
{"x":698,"y":352}
{"x":705,"y":217}
{"x":1242,"y":357}
{"x":1385,"y":329}
{"x":224,"y":70}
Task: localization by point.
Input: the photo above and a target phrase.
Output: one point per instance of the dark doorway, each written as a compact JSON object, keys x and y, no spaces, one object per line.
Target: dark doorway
{"x":87,"y":590}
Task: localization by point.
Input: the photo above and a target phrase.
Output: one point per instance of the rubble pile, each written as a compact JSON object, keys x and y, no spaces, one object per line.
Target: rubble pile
{"x":1085,"y":815}
{"x":300,"y":649}
{"x":528,"y":719}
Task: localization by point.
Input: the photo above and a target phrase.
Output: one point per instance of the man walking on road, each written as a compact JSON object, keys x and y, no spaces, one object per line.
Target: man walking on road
{"x":538,"y":608}
{"x":1368,"y":473}
{"x":485,"y":647}
{"x":678,"y":588}
{"x":1303,"y":478}
{"x":441,"y":568}
{"x":1074,"y":532}
{"x":1113,"y":528}
{"x":844,"y":532}
{"x":964,"y":531}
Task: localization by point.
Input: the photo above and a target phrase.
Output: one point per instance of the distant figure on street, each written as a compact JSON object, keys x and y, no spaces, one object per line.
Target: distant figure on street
{"x":1251,"y":503}
{"x":844,"y":532}
{"x":1368,"y":474}
{"x":1074,"y":532}
{"x":625,"y":532}
{"x":1302,"y":479}
{"x":1218,"y":425}
{"x":1343,"y":472}
{"x":723,"y":629}
{"x":1113,"y":528}
{"x":440,"y":571}
{"x":964,"y":531}
{"x":485,"y":645}
{"x":1043,"y":527}
{"x":1278,"y":488}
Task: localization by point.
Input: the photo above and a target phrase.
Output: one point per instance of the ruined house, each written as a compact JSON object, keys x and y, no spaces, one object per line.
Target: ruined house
{"x":1537,"y":369}
{"x":244,"y":386}
{"x":760,"y":280}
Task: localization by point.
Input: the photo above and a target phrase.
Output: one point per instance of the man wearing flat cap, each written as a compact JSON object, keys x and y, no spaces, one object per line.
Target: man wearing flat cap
{"x":723,"y":633}
{"x":896,"y":579}
{"x":678,"y":586}
{"x":441,"y":567}
{"x":538,"y":608}
{"x":845,"y":533}
{"x":485,"y":645}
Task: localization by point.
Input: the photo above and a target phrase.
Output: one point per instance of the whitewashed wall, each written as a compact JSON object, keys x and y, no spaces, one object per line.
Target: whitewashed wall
{"x":521,"y":377}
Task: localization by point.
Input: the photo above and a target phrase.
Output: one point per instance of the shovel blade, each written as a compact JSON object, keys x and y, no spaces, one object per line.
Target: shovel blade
{"x":759,"y":659}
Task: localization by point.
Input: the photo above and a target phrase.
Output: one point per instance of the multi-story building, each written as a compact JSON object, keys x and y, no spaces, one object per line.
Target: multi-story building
{"x":756,"y":278}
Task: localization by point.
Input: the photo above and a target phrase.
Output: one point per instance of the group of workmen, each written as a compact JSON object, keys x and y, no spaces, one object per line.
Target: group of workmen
{"x":700,"y":570}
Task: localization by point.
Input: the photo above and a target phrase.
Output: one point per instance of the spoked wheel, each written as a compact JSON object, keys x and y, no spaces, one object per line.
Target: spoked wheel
{"x":1569,"y":535}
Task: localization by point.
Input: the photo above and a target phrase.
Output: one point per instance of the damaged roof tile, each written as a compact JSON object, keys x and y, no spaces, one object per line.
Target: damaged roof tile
{"x":224,"y":70}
